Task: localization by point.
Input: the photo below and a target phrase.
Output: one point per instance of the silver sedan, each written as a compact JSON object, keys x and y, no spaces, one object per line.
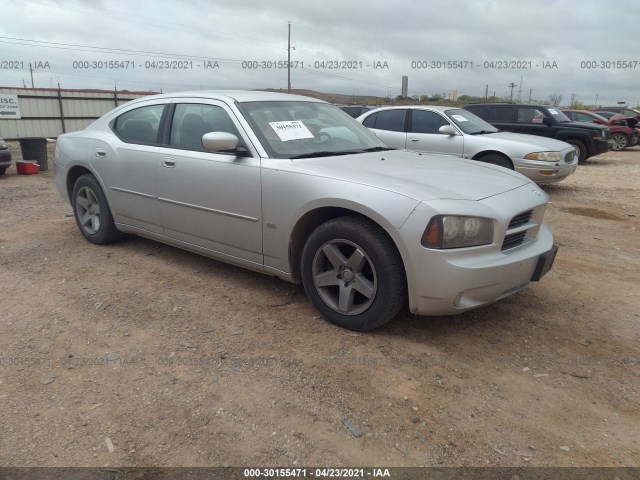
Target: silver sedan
{"x":293,"y":187}
{"x":458,"y":132}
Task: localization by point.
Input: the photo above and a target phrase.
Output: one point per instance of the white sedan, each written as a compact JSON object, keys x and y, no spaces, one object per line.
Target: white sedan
{"x":460,"y":133}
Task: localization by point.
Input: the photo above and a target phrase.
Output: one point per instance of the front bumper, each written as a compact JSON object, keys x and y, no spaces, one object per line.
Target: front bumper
{"x":544,"y":172}
{"x":602,"y":146}
{"x":5,"y":158}
{"x":447,"y":282}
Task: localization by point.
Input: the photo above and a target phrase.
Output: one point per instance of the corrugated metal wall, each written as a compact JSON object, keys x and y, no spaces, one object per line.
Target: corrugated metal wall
{"x":41,"y":115}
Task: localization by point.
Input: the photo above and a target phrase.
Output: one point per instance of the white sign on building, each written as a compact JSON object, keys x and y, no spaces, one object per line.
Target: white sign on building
{"x":9,"y":108}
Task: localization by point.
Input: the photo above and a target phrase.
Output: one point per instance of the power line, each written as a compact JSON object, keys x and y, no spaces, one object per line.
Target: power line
{"x":123,"y":17}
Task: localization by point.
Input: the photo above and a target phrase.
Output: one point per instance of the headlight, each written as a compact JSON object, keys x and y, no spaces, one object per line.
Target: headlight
{"x":455,"y":231}
{"x":3,"y":146}
{"x":545,"y":156}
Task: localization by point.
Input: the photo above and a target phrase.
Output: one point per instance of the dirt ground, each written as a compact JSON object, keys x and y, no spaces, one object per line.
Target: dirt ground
{"x":140,"y":354}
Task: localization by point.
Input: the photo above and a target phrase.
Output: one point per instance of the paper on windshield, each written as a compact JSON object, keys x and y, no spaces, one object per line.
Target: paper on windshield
{"x":291,"y":130}
{"x":553,"y":111}
{"x":460,"y":118}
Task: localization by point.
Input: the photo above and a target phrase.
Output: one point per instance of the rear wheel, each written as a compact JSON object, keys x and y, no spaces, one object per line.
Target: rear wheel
{"x":496,"y":159}
{"x":91,"y":211}
{"x":620,"y":141}
{"x":2,"y":170}
{"x":353,"y":273}
{"x":580,"y":148}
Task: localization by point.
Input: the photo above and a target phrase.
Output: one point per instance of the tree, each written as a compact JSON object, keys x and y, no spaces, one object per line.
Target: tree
{"x":555,"y":99}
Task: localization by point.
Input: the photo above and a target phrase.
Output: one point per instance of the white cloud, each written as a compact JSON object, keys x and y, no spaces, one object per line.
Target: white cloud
{"x":362,"y":32}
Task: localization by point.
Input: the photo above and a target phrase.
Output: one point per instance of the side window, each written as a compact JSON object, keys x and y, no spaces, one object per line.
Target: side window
{"x":392,"y":120}
{"x":423,"y":121}
{"x":370,"y":121}
{"x":581,"y":117}
{"x":140,"y":125}
{"x":530,"y":115}
{"x":192,"y":120}
{"x":500,"y":114}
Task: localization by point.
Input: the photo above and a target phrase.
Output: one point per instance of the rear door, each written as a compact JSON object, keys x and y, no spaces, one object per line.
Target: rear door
{"x":389,"y":126}
{"x":127,"y":161}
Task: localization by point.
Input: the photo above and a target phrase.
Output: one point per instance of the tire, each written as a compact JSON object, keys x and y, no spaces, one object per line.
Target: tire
{"x":353,"y":273}
{"x":580,"y":147}
{"x":2,"y":170}
{"x":91,"y":211}
{"x":620,"y":141}
{"x":495,"y":159}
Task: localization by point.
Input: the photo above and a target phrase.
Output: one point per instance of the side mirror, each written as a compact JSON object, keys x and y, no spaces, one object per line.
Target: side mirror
{"x":547,"y":121}
{"x":447,"y":130}
{"x":219,"y":141}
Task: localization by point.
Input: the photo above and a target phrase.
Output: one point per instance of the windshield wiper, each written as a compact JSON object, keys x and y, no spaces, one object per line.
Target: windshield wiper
{"x":482,"y":132}
{"x":346,"y":152}
{"x":319,"y":154}
{"x":376,"y":149}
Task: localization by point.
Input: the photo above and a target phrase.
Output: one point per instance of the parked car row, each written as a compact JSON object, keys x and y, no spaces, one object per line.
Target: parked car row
{"x":460,"y":133}
{"x":588,"y":139}
{"x":623,"y":131}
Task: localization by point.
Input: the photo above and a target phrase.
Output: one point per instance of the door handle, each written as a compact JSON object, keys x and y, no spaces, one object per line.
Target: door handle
{"x":413,"y":139}
{"x":101,"y":153}
{"x":169,"y":163}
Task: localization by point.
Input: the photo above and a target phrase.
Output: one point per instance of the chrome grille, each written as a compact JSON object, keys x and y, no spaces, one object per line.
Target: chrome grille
{"x":521,"y":219}
{"x":517,"y":230}
{"x":513,"y":240}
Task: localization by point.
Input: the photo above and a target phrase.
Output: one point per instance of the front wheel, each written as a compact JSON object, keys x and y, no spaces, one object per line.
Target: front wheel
{"x":580,"y":147}
{"x":353,"y":273}
{"x":2,"y":170}
{"x":495,"y":159}
{"x":91,"y":211}
{"x":620,"y":141}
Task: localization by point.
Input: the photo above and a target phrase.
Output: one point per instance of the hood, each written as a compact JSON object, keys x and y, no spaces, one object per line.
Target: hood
{"x":631,"y":122}
{"x":585,"y":126}
{"x":420,"y":176}
{"x":534,"y":142}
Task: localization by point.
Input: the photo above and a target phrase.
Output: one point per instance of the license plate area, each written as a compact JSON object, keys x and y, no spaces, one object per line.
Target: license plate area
{"x":545,"y":262}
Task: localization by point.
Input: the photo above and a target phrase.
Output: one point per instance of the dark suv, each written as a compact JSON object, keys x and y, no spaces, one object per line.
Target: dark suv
{"x":588,"y":139}
{"x":355,"y":110}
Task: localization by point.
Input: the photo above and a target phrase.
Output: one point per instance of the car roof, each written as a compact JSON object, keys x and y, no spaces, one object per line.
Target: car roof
{"x":437,"y":108}
{"x":240,"y":96}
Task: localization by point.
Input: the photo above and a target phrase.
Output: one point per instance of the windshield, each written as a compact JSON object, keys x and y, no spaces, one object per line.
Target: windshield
{"x":558,"y":115}
{"x":307,"y":129}
{"x":469,"y":123}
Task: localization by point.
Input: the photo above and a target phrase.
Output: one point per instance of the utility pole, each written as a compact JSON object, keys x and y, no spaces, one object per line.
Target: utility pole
{"x":31,"y":70}
{"x":289,"y":61}
{"x":511,"y":85}
{"x":530,"y":94}
{"x":573,"y":99}
{"x":595,"y":104}
{"x":486,"y":91}
{"x":520,"y":91}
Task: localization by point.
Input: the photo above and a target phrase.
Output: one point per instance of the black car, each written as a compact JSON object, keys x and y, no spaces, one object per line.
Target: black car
{"x":355,"y":110}
{"x":589,"y":139}
{"x":5,"y":157}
